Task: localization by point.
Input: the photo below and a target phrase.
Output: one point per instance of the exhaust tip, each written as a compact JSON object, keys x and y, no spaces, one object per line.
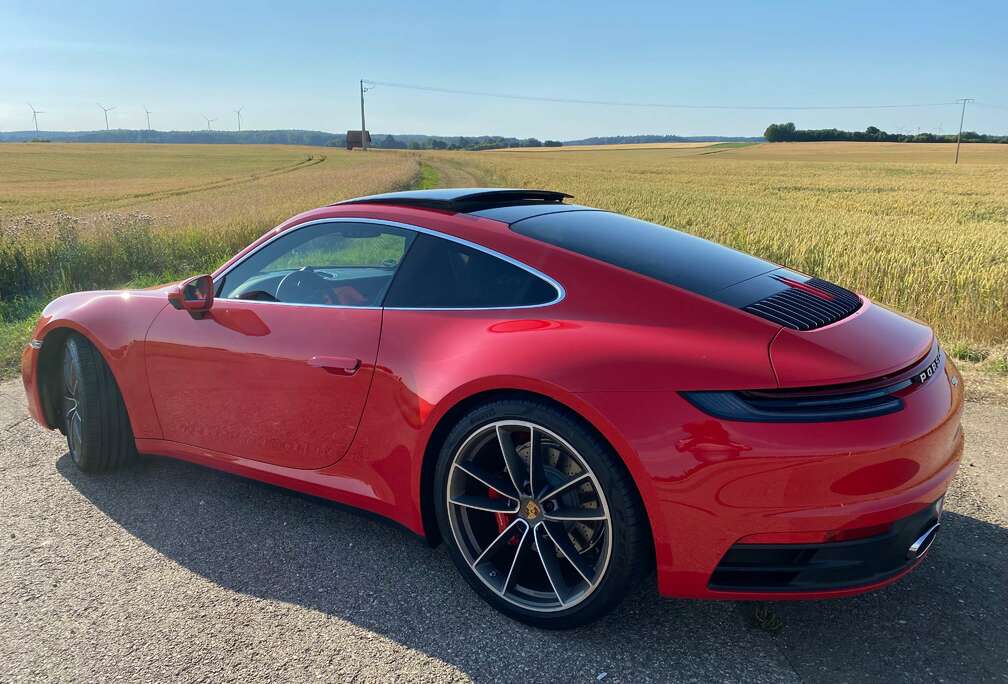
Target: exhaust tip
{"x":923,"y":542}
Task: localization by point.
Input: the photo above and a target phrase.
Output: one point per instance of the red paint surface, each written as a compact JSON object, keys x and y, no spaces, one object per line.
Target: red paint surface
{"x":244,"y":390}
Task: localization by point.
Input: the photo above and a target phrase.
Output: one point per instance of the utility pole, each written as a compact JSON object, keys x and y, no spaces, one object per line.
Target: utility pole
{"x":962,"y":117}
{"x":363,"y":128}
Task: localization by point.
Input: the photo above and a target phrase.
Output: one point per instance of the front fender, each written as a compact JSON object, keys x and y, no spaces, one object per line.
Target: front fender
{"x":116,"y":323}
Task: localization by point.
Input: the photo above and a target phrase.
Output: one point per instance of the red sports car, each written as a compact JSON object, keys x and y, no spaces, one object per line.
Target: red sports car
{"x":568,"y":398}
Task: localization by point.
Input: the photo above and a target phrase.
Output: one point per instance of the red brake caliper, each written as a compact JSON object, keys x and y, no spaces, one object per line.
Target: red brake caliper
{"x":503,"y":519}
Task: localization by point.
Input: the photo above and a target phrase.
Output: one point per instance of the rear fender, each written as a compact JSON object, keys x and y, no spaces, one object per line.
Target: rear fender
{"x":572,"y":402}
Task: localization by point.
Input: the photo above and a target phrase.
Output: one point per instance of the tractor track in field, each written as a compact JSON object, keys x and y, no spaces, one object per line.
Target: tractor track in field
{"x":156,"y":195}
{"x":168,"y":570}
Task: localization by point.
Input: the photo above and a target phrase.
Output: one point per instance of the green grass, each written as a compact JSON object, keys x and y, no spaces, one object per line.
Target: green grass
{"x":429,"y":177}
{"x":13,"y":336}
{"x":966,"y":352}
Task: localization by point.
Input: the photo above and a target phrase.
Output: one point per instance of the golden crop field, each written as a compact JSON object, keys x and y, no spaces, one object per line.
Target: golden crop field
{"x":183,"y":186}
{"x":897,"y":222}
{"x":83,"y":216}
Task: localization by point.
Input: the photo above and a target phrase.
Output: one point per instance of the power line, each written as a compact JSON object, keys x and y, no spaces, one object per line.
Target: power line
{"x":659,"y":105}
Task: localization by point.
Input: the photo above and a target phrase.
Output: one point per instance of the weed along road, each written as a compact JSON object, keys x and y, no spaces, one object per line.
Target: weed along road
{"x":170,"y":570}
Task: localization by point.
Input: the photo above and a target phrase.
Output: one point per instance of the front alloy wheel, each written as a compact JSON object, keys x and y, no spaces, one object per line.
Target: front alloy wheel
{"x":94,"y":417}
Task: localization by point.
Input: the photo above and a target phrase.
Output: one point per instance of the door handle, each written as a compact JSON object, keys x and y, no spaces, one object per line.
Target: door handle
{"x":337,"y":365}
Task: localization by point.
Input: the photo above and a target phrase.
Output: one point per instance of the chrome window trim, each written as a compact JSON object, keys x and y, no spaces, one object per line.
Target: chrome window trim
{"x":561,"y":292}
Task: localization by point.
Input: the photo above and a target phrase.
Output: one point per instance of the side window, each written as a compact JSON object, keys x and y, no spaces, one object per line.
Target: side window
{"x":337,"y":264}
{"x":439,"y":273}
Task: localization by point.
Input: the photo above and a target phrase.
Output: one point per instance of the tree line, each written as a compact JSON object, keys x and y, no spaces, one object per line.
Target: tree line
{"x":276,"y":137}
{"x":787,"y":132}
{"x":425,"y":142}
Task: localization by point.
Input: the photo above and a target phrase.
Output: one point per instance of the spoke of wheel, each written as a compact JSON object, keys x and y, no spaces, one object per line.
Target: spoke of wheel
{"x":558,"y":535}
{"x":553,"y":573}
{"x":537,"y":473}
{"x":76,"y":429}
{"x":512,"y":461}
{"x":577,"y":479}
{"x":499,"y":485}
{"x":576,"y":514}
{"x":485,"y":503}
{"x":500,"y":541}
{"x":514,"y":561}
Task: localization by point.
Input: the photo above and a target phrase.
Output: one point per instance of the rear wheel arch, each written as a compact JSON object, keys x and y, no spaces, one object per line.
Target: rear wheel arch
{"x":453,"y":415}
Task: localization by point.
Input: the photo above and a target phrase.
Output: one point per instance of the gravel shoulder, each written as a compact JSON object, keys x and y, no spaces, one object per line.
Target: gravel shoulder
{"x":173,"y":571}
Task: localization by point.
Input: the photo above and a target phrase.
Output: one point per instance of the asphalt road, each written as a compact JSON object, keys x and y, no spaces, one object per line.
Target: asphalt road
{"x":173,"y":571}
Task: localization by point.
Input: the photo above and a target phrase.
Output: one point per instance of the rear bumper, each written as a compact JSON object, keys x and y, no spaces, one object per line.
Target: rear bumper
{"x":830,"y":566}
{"x":713,"y":488}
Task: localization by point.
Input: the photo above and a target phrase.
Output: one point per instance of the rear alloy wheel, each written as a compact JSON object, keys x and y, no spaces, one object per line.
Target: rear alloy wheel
{"x":94,"y":416}
{"x":540,"y":519}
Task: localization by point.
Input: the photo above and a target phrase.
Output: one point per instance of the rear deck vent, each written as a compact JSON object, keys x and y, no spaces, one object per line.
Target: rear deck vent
{"x":808,"y":305}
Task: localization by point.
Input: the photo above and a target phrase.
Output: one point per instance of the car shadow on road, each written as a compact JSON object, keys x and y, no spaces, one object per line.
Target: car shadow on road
{"x":946,"y":620}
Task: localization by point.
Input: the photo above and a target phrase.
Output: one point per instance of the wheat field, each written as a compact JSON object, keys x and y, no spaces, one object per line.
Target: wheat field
{"x":926,"y":238}
{"x":897,"y":222}
{"x":86,"y":216}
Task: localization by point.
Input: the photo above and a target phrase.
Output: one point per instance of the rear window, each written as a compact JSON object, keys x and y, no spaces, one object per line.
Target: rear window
{"x":646,"y":248}
{"x":443,"y":274}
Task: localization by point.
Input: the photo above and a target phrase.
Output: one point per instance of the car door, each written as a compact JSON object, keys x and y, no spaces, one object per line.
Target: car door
{"x":278,"y":370}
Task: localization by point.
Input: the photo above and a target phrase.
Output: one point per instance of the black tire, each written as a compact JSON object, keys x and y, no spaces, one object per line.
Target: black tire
{"x":630,"y":557}
{"x":94,"y":416}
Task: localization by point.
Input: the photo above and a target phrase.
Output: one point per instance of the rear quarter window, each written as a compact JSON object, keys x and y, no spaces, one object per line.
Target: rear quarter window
{"x":649,"y":249}
{"x":442,"y":274}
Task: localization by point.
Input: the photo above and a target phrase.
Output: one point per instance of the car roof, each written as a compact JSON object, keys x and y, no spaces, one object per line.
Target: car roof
{"x":464,"y":200}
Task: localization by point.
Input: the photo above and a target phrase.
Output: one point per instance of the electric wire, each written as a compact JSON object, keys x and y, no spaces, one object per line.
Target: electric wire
{"x":657,"y":105}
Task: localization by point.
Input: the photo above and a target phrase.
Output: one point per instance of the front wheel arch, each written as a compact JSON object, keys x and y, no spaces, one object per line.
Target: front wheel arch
{"x":50,"y":373}
{"x":455,"y":413}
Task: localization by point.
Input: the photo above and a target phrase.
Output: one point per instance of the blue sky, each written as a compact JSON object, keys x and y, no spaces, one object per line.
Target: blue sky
{"x":296,"y":65}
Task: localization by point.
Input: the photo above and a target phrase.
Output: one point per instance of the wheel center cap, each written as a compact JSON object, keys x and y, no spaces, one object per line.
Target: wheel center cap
{"x":531,"y":509}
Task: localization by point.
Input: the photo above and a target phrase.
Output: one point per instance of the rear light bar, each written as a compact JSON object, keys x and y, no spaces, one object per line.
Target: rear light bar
{"x":819,"y":404}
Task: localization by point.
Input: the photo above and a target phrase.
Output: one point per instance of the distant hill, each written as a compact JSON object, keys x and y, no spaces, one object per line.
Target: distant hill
{"x":277,"y":137}
{"x":121,"y":135}
{"x":399,"y":141}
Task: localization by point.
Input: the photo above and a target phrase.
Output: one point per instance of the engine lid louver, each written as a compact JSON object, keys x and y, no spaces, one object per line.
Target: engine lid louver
{"x":805,"y":304}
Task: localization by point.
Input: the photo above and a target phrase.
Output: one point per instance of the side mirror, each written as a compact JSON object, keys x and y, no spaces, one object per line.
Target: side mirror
{"x":194,"y":295}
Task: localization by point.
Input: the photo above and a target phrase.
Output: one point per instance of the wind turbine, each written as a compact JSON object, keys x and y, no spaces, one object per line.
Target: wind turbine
{"x":208,"y":122}
{"x":35,"y":114}
{"x":147,"y":111}
{"x":106,"y":110}
{"x":238,"y":112}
